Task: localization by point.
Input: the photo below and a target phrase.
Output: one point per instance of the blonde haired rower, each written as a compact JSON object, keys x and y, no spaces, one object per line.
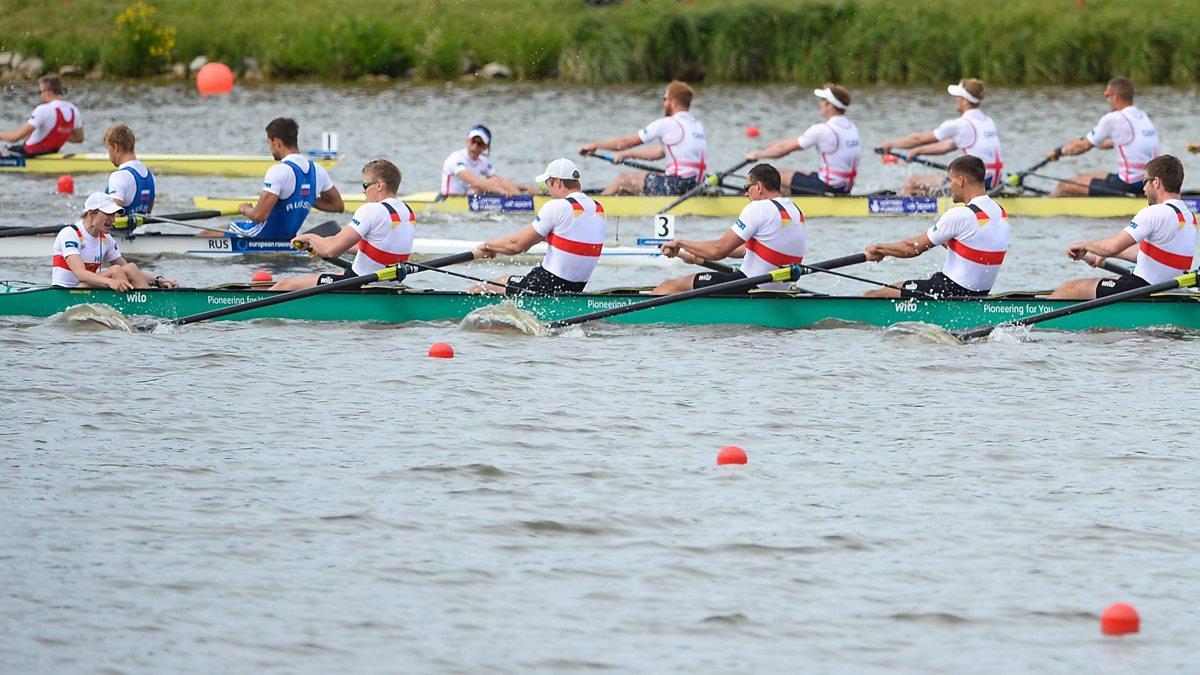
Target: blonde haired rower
{"x":131,"y":186}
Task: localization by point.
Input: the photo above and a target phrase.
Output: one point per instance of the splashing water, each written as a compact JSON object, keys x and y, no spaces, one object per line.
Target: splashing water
{"x":504,"y":316}
{"x":90,"y":316}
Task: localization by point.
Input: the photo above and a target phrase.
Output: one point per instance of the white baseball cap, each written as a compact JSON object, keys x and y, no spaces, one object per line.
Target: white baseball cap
{"x":827,"y":95}
{"x":961,"y":91}
{"x":560,"y":168}
{"x":100,"y":201}
{"x":481,"y":132}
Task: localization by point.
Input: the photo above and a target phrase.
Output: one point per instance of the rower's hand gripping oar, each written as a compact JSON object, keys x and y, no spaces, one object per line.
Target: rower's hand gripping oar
{"x":700,"y":185}
{"x":1187,"y":280}
{"x":916,"y":160}
{"x":395,"y":272}
{"x":1017,"y":179}
{"x":626,"y":162}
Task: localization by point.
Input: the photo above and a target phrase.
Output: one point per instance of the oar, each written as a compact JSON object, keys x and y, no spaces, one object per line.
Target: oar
{"x":1186,"y":280}
{"x":1102,"y":188}
{"x":700,"y":184}
{"x":627,"y":162}
{"x":917,"y":160}
{"x":337,"y":262}
{"x":789,"y":273}
{"x":120,"y":223}
{"x":1017,"y":179}
{"x":395,"y":272}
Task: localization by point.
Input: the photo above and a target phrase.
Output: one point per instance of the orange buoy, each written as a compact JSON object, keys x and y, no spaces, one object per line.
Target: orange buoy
{"x":731,"y":454}
{"x":262,"y":275}
{"x":1120,"y":619}
{"x":214,"y":78}
{"x":441,"y":350}
{"x":752,"y":131}
{"x":66,"y":185}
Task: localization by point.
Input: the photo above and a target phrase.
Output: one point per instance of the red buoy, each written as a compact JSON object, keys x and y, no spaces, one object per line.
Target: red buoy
{"x":66,"y":185}
{"x":262,"y":275}
{"x":214,"y":78}
{"x":731,"y":454}
{"x":441,"y":350}
{"x":1120,"y":619}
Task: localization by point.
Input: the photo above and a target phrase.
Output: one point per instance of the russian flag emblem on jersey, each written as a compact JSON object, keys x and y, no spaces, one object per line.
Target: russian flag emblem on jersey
{"x":305,"y":189}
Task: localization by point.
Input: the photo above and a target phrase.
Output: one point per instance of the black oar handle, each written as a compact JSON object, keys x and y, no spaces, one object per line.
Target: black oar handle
{"x":844,"y":261}
{"x":627,"y":162}
{"x":24,"y":231}
{"x":700,"y":183}
{"x":918,"y":160}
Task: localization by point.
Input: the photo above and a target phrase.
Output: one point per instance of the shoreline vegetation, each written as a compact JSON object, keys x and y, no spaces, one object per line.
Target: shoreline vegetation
{"x":1019,"y":42}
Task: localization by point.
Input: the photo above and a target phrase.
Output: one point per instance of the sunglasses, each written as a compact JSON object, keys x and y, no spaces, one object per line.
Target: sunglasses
{"x":747,"y":186}
{"x":367,"y":185}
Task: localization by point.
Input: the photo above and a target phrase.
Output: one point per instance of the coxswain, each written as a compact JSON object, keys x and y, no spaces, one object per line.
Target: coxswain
{"x":291,"y":189}
{"x":973,"y":132}
{"x":682,"y":143}
{"x":131,"y":186}
{"x":83,"y":248}
{"x":1161,"y":238}
{"x":53,"y":124}
{"x":836,"y":141}
{"x":469,"y":170}
{"x":1126,"y":129}
{"x":572,"y":224}
{"x":769,"y":233}
{"x":381,"y":231}
{"x":975,"y":236}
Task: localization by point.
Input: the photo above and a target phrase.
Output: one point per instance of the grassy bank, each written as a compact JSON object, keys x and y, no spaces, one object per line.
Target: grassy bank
{"x":853,"y":41}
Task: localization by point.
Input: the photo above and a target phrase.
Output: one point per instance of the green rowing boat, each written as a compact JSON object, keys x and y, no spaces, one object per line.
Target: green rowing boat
{"x":766,"y":309}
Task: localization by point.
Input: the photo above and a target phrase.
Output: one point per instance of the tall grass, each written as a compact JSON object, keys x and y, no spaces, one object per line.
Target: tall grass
{"x":852,"y":41}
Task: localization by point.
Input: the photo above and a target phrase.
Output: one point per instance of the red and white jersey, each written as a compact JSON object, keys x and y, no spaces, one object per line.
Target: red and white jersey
{"x":683,"y":140}
{"x":93,"y":251}
{"x":837,"y":140}
{"x":1133,"y":137}
{"x":52,"y":123}
{"x":773,"y":230}
{"x":975,"y":134}
{"x":574,"y":231}
{"x":387,"y":229}
{"x":976,"y":239}
{"x":1166,"y":237}
{"x":459,"y":161}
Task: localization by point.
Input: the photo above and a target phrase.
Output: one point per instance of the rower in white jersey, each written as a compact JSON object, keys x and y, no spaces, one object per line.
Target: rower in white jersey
{"x":973,"y":132}
{"x":572,"y":224}
{"x":131,"y":186}
{"x":683,"y":145}
{"x":1127,"y":130}
{"x":51,"y":125}
{"x":381,"y":231}
{"x":769,"y":233}
{"x":86,"y":254}
{"x":469,"y":170}
{"x":975,"y":236}
{"x":836,"y":139}
{"x":1161,"y":238}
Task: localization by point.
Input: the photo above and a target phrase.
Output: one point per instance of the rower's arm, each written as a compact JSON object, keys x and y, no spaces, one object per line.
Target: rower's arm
{"x":618,"y":143}
{"x":515,"y":243}
{"x":330,"y":200}
{"x":76,"y":135}
{"x":648,"y":152}
{"x":1077,"y":146}
{"x":939,"y":148}
{"x":19,"y":134}
{"x":714,"y":249}
{"x":775,"y":150}
{"x":330,"y":247}
{"x":1117,"y":245}
{"x":257,"y":213}
{"x":89,"y":279}
{"x":909,"y":248}
{"x":918,"y":138}
{"x":1128,"y":255}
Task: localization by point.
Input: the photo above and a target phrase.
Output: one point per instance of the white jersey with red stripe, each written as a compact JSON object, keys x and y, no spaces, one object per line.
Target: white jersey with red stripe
{"x":573,"y":228}
{"x":773,"y":230}
{"x":92,"y":251}
{"x":387,"y":229}
{"x":976,"y":239}
{"x":52,"y":123}
{"x":837,"y":140}
{"x":1134,"y":138}
{"x":683,"y":140}
{"x":1166,"y":237}
{"x":456,"y":163}
{"x":975,"y":134}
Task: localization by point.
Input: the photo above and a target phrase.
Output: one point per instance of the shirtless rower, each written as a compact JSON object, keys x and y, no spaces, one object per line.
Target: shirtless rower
{"x":382,"y":229}
{"x":82,"y":248}
{"x":836,"y":140}
{"x":1161,"y":238}
{"x":975,"y":236}
{"x":769,"y":233}
{"x":973,"y":132}
{"x":682,"y":143}
{"x":573,"y":227}
{"x":469,"y":170}
{"x":51,"y":125}
{"x":131,"y":186}
{"x":1126,"y":129}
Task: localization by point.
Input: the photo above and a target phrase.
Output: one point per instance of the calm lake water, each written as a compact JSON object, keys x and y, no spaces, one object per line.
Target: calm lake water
{"x":297,"y":497}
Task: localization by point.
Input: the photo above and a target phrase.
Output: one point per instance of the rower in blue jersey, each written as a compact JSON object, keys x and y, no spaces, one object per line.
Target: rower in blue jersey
{"x":131,"y":186}
{"x":290,"y":189}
